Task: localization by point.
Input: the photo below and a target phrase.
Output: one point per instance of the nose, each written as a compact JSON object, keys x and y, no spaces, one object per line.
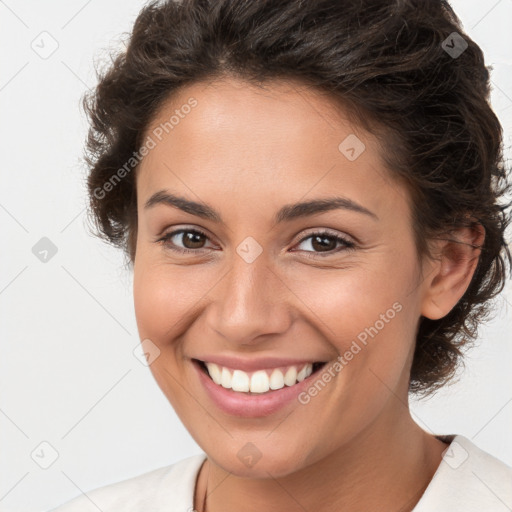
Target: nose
{"x":249,"y":302}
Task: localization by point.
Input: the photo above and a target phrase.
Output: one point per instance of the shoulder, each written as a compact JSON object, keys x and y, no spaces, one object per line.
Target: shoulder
{"x":469,"y":480}
{"x":155,"y":490}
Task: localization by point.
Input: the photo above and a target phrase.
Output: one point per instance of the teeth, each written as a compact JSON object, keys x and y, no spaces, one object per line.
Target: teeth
{"x":276,"y":380}
{"x":260,"y":381}
{"x":240,"y":381}
{"x":226,"y":378}
{"x":290,"y":377}
{"x":215,"y":373}
{"x":302,"y":374}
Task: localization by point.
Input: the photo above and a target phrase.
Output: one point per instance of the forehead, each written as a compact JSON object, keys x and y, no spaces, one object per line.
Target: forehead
{"x":281,"y":139}
{"x":274,"y":113}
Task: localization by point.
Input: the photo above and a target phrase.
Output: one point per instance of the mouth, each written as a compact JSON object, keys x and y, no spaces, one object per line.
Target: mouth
{"x":266,"y":381}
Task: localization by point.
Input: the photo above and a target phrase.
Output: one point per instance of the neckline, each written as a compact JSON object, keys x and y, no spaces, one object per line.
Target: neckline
{"x":446,"y":439}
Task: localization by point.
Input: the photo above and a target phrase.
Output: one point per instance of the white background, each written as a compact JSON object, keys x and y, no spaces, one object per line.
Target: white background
{"x":69,"y":376}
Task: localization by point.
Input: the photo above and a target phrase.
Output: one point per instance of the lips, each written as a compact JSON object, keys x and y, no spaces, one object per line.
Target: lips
{"x":251,"y":404}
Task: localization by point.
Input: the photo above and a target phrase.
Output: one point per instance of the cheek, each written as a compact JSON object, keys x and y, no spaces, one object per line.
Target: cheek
{"x":162,"y":297}
{"x":367,"y":315}
{"x":348,"y":302}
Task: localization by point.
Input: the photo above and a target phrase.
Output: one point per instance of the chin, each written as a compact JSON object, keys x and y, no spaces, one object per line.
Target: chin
{"x":251,"y":462}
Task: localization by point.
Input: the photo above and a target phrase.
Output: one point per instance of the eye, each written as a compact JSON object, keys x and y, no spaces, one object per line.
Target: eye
{"x":192,"y":240}
{"x":326,"y":242}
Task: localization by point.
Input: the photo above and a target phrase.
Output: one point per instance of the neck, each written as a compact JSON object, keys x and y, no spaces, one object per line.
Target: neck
{"x":385,"y":467}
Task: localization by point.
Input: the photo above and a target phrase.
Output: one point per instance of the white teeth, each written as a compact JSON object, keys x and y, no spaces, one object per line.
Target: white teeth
{"x":302,"y":374}
{"x":240,"y":381}
{"x":214,"y":372}
{"x":225,"y":378}
{"x":276,"y":380}
{"x":290,"y":377}
{"x":259,"y":381}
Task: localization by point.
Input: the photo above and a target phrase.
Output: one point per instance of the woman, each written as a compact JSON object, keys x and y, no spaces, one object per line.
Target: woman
{"x":308,"y":192}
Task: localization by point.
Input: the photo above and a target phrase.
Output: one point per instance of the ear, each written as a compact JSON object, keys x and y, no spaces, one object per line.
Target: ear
{"x":452,"y":269}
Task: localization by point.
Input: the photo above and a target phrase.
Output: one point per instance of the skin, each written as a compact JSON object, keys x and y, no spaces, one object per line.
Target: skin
{"x":247,"y":152}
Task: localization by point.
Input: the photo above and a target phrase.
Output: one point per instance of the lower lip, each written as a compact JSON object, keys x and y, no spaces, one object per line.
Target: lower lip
{"x":251,"y":406}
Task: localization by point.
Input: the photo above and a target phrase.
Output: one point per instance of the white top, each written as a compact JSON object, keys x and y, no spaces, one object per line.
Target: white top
{"x":467,"y":480}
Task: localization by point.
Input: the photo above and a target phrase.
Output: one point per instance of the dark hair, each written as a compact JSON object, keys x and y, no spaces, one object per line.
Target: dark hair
{"x":395,"y":65}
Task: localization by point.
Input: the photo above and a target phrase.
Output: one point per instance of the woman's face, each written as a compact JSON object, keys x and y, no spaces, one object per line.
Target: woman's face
{"x":262,"y":289}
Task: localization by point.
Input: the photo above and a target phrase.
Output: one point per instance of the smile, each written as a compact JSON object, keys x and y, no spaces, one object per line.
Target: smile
{"x":261,"y":381}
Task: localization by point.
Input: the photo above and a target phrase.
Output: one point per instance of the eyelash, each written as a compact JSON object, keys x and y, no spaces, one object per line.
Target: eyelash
{"x":348,"y":244}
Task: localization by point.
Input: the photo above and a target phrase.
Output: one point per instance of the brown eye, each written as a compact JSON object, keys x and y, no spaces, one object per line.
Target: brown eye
{"x":326,"y":242}
{"x":323,"y":243}
{"x":191,"y":239}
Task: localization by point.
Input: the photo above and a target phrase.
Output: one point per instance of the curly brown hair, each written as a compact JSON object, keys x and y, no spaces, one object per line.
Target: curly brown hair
{"x":387,"y":62}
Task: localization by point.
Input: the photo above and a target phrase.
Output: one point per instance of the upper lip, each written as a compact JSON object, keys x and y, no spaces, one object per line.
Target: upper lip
{"x":254,"y":364}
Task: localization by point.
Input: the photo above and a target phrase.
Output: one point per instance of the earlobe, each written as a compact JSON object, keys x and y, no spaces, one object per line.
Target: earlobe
{"x":457,"y":258}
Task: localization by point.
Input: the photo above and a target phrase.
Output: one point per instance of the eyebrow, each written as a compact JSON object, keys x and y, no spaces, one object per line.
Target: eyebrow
{"x":285,"y":214}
